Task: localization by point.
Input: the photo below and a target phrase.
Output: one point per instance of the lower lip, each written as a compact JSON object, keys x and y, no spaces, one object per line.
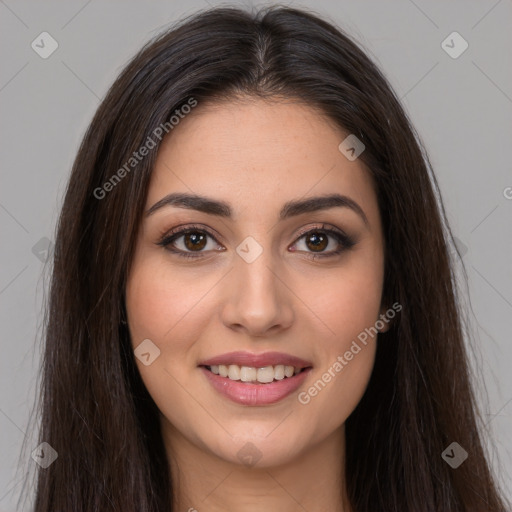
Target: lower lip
{"x":255,"y":394}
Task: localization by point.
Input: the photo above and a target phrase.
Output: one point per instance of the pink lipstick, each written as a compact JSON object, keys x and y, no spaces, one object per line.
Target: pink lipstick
{"x":255,"y":379}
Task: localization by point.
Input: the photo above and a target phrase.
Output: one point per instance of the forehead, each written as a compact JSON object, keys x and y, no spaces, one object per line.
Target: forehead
{"x":258,"y":154}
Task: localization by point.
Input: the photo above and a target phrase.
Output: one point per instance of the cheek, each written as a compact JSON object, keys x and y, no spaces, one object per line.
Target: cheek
{"x":348,"y":312}
{"x":338,"y":387}
{"x":168,"y":308}
{"x":171,"y":310}
{"x":347,"y":356}
{"x":166,"y":305}
{"x":346,"y":300}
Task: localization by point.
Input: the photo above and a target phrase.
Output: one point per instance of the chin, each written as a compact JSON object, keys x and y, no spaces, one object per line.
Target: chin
{"x":258,"y":451}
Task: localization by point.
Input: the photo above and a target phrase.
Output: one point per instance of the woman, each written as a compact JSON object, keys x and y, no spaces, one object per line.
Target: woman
{"x":252,"y":304}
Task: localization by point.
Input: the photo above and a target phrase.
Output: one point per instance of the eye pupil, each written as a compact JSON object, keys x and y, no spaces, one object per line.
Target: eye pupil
{"x":195,"y":240}
{"x":318,"y":240}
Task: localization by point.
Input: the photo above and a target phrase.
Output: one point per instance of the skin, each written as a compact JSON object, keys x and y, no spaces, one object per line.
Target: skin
{"x":256,"y":155}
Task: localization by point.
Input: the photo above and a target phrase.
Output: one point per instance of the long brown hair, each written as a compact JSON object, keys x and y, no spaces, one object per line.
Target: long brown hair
{"x":95,"y":411}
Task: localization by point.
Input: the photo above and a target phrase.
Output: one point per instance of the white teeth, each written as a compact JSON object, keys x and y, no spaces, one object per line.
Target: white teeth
{"x":248,"y":374}
{"x":279,"y":372}
{"x":263,"y":375}
{"x":288,"y":371}
{"x":234,"y":372}
{"x":266,"y":374}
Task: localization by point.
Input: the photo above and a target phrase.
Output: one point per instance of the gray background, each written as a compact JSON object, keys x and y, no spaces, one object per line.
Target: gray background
{"x":461,"y":108}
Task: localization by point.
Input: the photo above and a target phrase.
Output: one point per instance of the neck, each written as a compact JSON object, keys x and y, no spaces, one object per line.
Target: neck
{"x":313,"y":481}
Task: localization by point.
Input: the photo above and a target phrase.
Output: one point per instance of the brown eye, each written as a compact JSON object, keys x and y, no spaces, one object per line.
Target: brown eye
{"x":317,"y":241}
{"x":190,"y":242}
{"x":194,"y":241}
{"x":324,"y":242}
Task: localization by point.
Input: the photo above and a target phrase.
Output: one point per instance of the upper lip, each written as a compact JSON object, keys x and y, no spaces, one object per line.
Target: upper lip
{"x":256,"y":360}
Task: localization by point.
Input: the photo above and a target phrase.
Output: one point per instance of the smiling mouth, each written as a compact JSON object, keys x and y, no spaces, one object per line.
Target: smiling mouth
{"x":253,"y":375}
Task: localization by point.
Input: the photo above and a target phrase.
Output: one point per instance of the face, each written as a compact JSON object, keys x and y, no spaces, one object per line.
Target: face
{"x":277,"y":261}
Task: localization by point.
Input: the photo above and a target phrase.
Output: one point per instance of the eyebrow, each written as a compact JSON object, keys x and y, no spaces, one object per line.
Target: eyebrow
{"x":289,"y":209}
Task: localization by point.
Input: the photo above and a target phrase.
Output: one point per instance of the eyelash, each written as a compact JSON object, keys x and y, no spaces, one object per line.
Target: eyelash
{"x":345,"y":242}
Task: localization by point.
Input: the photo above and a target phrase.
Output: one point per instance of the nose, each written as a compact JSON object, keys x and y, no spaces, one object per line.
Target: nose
{"x":257,"y":300}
